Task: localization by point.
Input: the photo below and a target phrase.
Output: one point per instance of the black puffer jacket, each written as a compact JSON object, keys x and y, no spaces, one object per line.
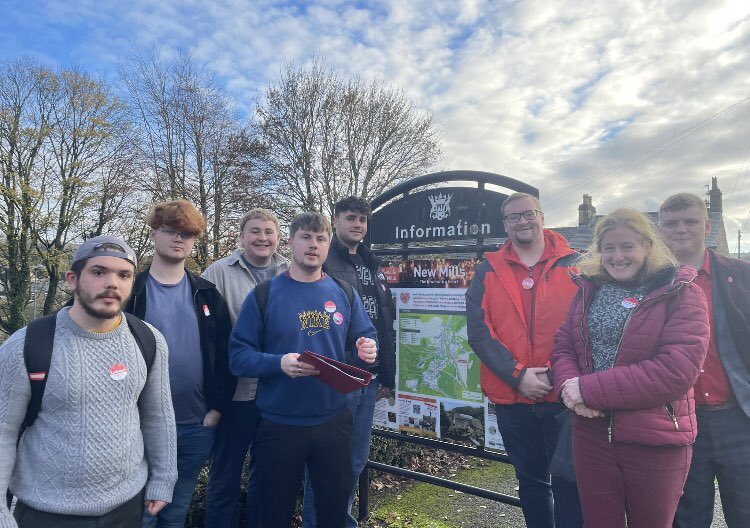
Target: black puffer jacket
{"x":339,"y":264}
{"x":214,"y":326}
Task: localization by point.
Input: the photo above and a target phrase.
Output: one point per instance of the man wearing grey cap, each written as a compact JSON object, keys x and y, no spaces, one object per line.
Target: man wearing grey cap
{"x":103,"y":443}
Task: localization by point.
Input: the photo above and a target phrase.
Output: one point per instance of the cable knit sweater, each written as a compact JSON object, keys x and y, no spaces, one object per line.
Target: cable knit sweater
{"x":90,"y":449}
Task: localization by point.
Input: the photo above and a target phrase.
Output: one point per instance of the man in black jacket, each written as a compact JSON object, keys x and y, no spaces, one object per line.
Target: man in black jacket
{"x":349,"y":260}
{"x":721,"y":452}
{"x":194,"y":319}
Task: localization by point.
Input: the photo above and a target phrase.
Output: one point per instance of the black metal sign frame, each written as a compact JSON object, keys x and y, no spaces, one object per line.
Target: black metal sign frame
{"x":405,"y":220}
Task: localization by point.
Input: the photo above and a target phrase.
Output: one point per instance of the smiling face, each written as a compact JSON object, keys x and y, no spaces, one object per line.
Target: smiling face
{"x":351,"y":227}
{"x":684,"y":231}
{"x":624,"y":254}
{"x":259,"y":239}
{"x":524,"y":232}
{"x":309,"y":250}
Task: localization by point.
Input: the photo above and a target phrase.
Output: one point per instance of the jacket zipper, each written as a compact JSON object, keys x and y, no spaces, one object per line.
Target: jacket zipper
{"x":672,"y":415}
{"x":533,"y":302}
{"x":625,"y":326}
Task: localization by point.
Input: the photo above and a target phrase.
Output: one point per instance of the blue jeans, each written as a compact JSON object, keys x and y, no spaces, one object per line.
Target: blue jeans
{"x":530,"y":434}
{"x":362,"y":406}
{"x":193,"y":447}
{"x":234,"y":437}
{"x":721,"y":451}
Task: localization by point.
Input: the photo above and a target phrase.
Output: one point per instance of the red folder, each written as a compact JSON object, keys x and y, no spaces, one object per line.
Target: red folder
{"x":340,"y":376}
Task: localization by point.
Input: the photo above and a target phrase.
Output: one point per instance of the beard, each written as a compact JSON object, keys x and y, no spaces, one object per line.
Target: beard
{"x":86,"y":300}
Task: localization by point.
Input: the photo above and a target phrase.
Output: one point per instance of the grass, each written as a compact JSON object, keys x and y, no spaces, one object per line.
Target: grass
{"x":428,"y":506}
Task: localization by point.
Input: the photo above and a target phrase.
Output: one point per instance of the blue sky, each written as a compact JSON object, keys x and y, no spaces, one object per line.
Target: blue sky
{"x":619,"y":99}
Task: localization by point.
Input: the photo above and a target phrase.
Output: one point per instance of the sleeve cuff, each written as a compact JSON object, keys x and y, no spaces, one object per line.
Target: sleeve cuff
{"x":159,"y":491}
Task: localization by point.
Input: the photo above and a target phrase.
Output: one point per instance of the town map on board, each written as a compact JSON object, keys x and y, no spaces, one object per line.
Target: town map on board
{"x":435,"y":357}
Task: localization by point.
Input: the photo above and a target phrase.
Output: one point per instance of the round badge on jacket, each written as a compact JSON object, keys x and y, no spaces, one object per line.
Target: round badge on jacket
{"x":630,"y":302}
{"x":527,"y":283}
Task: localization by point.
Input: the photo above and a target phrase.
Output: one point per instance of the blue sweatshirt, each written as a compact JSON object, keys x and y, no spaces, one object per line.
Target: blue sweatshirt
{"x":299,"y":316}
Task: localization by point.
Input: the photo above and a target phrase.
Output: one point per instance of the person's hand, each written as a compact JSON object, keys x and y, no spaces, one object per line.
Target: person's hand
{"x":571,"y":393}
{"x":531,"y":386}
{"x":367,"y":350}
{"x":154,"y":506}
{"x":212,"y":418}
{"x":582,"y":410}
{"x":294,"y":368}
{"x":544,"y":377}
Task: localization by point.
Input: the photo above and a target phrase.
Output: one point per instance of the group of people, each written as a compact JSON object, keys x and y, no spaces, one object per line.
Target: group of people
{"x":105,"y":421}
{"x":643,"y":340}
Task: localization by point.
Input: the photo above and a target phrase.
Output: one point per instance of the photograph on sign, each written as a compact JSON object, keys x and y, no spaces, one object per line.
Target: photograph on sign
{"x":462,"y":422}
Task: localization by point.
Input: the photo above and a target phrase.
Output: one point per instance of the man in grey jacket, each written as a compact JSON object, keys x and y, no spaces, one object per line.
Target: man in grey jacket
{"x":235,"y":277}
{"x":104,"y":440}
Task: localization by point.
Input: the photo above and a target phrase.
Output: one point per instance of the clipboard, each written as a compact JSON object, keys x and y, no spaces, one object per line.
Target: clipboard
{"x":339,"y":376}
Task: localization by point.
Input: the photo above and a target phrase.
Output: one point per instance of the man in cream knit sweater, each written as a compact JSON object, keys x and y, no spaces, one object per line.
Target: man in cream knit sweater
{"x":103,"y":443}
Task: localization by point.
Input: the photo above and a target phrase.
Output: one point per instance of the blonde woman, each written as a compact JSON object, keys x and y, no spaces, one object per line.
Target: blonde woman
{"x":625,"y":361}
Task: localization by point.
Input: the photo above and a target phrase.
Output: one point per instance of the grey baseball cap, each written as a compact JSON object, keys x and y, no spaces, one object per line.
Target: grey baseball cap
{"x":105,"y":246}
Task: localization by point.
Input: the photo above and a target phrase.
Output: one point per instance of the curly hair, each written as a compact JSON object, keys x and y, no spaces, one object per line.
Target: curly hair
{"x":177,"y":214}
{"x":352,"y":203}
{"x":658,"y":257}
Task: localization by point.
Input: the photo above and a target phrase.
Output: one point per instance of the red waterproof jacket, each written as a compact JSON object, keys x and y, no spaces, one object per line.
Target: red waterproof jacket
{"x":496,"y":326}
{"x":648,"y":393}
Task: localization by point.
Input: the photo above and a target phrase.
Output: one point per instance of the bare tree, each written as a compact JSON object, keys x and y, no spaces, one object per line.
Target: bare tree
{"x":196,"y":149}
{"x":325,"y":137}
{"x":26,"y":93}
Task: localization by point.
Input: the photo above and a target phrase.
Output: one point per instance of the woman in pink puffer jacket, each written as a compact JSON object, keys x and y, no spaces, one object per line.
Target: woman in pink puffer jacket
{"x":625,"y":361}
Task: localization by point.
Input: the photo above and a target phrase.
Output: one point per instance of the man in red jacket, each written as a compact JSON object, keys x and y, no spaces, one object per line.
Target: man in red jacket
{"x":722,"y":392}
{"x":517,"y":300}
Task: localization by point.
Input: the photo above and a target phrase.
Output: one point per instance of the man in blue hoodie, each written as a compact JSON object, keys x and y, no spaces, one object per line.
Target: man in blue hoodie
{"x":303,"y":421}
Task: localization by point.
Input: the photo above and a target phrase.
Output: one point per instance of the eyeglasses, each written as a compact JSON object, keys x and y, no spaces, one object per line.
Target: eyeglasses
{"x":172,"y":233}
{"x":514,"y":218}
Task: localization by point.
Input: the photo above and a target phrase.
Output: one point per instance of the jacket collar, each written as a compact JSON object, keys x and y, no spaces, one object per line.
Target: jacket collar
{"x":555,"y":242}
{"x":371,"y":261}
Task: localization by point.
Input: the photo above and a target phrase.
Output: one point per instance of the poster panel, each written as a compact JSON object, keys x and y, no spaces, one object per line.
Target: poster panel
{"x":386,"y":410}
{"x":418,"y":415}
{"x":438,"y":392}
{"x":433,"y":273}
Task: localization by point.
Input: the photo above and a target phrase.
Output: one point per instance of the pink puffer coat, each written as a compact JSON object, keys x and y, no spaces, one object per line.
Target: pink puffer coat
{"x":648,"y":393}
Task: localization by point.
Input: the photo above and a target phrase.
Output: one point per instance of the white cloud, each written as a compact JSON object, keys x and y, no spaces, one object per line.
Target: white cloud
{"x":553,"y":93}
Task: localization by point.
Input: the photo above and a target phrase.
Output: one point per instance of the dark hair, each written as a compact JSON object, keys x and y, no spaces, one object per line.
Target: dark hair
{"x":77,"y":267}
{"x":352,"y":203}
{"x":178,"y":214}
{"x":315,"y":222}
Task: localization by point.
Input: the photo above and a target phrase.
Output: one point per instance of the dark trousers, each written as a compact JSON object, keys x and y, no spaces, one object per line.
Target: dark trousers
{"x":721,"y":452}
{"x":616,"y":479}
{"x":284,"y":450}
{"x":530,"y":433}
{"x":127,"y":515}
{"x":235,"y":436}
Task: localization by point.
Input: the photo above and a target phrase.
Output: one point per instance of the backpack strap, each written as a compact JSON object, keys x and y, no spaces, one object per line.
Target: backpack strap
{"x":348,"y":290}
{"x":144,"y":338}
{"x":37,"y":355}
{"x":261,"y":298}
